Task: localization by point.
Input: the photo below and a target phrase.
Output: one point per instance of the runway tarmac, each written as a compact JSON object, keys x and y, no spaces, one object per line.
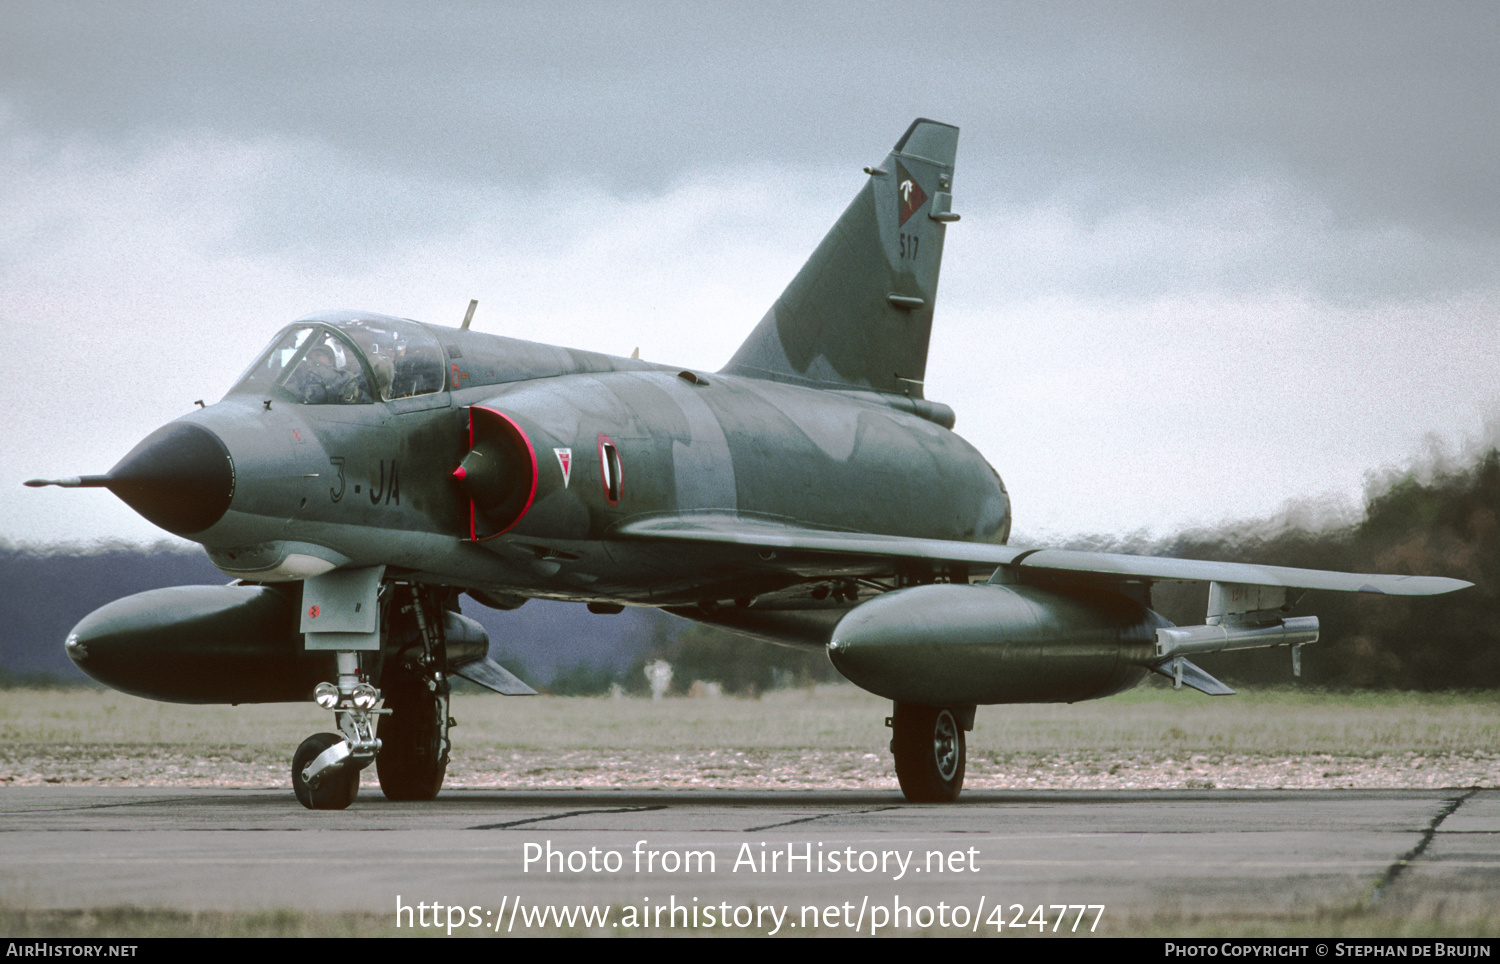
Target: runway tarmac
{"x":1232,"y":856}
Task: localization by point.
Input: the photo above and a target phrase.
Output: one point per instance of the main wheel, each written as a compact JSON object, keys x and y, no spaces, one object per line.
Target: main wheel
{"x":929,"y":745}
{"x":413,"y":755}
{"x":330,"y":790}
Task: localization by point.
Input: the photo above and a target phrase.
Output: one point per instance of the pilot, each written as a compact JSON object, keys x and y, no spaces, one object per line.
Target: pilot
{"x":322,"y":381}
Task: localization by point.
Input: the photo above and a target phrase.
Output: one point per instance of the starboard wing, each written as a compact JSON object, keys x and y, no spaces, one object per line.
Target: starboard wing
{"x":843,"y":547}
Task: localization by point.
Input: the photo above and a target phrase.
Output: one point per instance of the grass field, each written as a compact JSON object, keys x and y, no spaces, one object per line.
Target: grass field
{"x":827,"y":737}
{"x":1272,"y":721}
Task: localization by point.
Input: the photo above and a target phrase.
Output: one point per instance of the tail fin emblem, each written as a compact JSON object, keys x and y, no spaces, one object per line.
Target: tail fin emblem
{"x":565,"y":462}
{"x":912,"y":195}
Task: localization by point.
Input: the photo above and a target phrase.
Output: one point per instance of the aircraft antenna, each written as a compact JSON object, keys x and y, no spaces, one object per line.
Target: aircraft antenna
{"x":469,"y":315}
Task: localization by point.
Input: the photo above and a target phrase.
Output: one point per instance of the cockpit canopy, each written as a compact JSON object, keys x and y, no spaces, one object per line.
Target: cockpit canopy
{"x":342,"y":360}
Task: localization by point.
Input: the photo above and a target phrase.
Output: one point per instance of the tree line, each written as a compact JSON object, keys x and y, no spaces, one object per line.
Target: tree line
{"x":1435,"y":523}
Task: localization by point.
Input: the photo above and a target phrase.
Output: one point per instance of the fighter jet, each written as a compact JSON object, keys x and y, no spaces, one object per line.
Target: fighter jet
{"x":366,"y":472}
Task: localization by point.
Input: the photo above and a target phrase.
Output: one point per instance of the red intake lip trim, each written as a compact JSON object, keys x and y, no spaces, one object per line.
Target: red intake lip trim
{"x":473,"y":524}
{"x":530,"y":452}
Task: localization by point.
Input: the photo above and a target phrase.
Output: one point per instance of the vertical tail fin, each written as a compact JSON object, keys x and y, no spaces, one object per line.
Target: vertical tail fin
{"x":859,"y":313}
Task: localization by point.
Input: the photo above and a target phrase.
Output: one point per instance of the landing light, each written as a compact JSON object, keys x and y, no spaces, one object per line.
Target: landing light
{"x":366,"y":696}
{"x":326,"y":695}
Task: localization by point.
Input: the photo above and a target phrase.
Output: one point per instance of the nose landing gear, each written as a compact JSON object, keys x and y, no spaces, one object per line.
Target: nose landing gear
{"x":325,"y":768}
{"x":409,"y":742}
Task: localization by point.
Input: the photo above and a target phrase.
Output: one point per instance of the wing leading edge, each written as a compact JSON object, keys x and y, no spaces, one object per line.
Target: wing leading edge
{"x":844,"y":547}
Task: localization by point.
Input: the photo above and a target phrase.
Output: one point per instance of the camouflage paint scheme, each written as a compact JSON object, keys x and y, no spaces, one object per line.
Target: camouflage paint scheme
{"x":807,"y":493}
{"x":817,"y":422}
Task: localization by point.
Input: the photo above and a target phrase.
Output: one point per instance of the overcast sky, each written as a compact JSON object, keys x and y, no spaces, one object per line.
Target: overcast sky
{"x":1215,"y":259}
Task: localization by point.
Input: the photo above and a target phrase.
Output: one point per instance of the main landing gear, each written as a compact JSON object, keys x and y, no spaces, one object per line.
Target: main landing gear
{"x":929,"y":745}
{"x":409,"y":744}
{"x":414,"y":743}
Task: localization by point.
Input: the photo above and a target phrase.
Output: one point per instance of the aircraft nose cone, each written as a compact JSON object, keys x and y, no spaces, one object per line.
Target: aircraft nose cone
{"x":179,"y":477}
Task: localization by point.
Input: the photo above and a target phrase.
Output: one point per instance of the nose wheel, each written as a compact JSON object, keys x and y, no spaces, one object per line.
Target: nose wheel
{"x":336,"y":785}
{"x":929,"y":745}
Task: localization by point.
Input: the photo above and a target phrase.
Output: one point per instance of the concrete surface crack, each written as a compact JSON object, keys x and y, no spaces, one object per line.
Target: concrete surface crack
{"x":1395,"y":870}
{"x":560,"y":816}
{"x":818,"y":816}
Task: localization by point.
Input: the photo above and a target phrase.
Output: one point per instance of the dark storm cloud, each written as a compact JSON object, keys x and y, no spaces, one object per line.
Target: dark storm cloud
{"x":1381,"y":109}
